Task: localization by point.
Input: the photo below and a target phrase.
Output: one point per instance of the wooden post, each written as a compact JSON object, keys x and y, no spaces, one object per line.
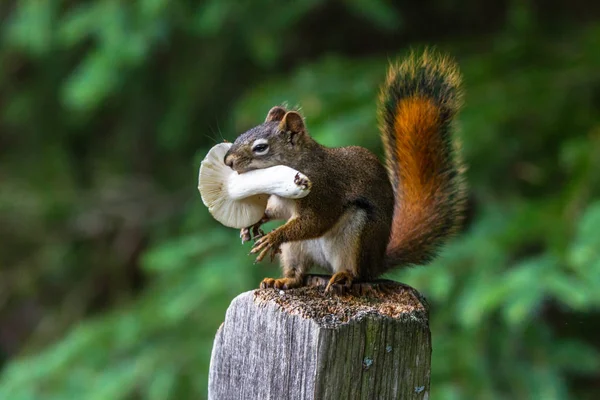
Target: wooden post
{"x":305,"y":344}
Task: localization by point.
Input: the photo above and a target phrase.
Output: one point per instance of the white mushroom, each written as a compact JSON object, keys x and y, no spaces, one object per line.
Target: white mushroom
{"x":239,"y":200}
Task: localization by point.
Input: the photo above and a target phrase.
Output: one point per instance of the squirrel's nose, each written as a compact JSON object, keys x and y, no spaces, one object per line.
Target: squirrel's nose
{"x":230,"y":161}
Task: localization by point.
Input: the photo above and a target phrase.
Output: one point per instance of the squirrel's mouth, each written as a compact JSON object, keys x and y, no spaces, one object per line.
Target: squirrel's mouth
{"x":243,"y":169}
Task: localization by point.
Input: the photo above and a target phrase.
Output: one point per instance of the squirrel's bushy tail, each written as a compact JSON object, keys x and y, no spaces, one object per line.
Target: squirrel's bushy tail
{"x":418,"y":102}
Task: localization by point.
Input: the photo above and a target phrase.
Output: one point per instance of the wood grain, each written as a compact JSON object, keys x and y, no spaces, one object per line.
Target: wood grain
{"x":305,"y":344}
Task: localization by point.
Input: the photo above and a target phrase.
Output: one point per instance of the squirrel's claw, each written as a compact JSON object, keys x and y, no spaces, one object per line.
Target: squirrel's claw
{"x":245,"y":235}
{"x":251,"y":232}
{"x":264,"y":245}
{"x":257,"y":232}
{"x":281,"y":284}
{"x":340,"y":282}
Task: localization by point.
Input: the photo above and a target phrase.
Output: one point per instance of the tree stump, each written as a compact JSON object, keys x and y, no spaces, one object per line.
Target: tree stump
{"x":306,"y":344}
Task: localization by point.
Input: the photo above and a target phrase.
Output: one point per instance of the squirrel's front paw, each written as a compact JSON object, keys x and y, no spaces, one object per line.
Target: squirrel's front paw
{"x":253,"y":230}
{"x":266,"y":244}
{"x":302,"y":181}
{"x":245,"y":235}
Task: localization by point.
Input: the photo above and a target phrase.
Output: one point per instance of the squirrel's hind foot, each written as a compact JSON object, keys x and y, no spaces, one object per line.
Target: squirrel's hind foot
{"x":340,"y":282}
{"x":282,"y":284}
{"x":355,"y":288}
{"x":337,"y":284}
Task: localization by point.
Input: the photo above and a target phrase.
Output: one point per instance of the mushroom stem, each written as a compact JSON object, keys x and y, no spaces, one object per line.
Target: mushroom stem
{"x":278,"y":180}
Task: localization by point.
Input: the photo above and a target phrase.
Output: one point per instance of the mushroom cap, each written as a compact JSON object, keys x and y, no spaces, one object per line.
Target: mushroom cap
{"x":239,"y":200}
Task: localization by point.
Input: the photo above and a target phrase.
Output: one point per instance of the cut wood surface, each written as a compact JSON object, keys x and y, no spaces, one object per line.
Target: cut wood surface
{"x":306,"y":344}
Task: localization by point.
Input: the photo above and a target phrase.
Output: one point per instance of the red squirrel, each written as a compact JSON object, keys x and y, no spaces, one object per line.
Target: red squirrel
{"x":363,"y":218}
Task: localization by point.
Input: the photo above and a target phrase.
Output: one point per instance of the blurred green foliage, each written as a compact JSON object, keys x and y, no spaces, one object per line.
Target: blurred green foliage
{"x":114,"y":277}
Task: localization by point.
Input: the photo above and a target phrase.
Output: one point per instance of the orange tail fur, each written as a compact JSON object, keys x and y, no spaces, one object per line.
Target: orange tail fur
{"x":418,"y":102}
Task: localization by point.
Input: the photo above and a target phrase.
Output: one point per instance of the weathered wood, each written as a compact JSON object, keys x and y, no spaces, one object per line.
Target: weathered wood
{"x":305,"y":344}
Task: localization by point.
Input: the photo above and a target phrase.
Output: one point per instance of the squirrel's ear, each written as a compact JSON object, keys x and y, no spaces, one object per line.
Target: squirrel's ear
{"x":292,"y":122}
{"x":275,"y":114}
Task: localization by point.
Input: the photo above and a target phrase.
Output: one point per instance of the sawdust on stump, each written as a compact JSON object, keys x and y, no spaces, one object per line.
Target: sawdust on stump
{"x":391,"y":300}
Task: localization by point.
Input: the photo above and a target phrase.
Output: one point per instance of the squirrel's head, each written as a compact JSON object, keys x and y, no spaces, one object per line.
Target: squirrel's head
{"x":277,"y":141}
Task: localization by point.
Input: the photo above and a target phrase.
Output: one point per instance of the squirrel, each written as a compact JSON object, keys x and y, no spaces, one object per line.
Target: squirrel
{"x":362,"y":218}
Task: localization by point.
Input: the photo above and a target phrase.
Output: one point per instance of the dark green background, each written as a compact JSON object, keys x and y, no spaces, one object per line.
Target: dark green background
{"x":114,"y":277}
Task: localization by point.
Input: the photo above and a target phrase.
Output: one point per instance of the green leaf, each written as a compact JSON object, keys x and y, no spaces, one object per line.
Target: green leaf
{"x":381,"y":12}
{"x":78,"y":24}
{"x":91,"y":82}
{"x":31,"y":26}
{"x":178,"y":253}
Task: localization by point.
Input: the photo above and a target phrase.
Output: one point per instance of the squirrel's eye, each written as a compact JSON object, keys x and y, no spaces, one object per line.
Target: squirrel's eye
{"x":261,"y":149}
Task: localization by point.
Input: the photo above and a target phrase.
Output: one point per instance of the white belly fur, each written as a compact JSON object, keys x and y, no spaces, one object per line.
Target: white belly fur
{"x":336,"y":249}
